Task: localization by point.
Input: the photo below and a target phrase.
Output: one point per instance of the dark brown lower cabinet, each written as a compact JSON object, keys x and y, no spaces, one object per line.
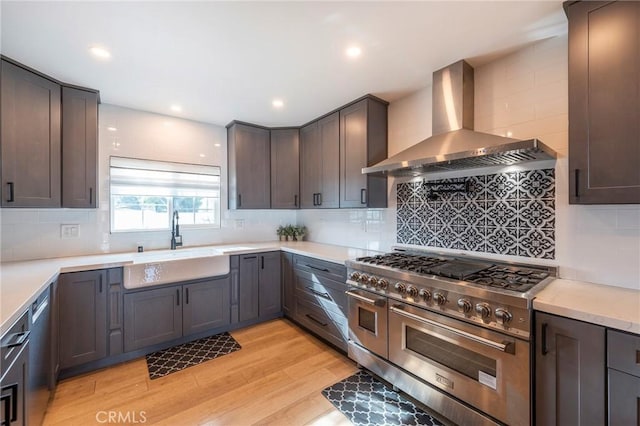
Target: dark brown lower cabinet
{"x":82,"y":317}
{"x":163,"y":314}
{"x":570,"y":372}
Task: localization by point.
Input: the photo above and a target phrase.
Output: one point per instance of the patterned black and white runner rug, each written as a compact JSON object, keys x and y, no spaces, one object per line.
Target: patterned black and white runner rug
{"x":186,"y":355}
{"x":367,"y":401}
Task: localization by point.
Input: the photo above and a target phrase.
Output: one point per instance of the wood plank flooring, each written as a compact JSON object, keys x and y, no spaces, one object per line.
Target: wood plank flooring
{"x":275,"y":379}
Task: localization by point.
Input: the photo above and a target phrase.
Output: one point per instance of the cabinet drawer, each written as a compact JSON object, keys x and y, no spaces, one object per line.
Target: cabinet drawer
{"x":12,"y":340}
{"x":332,"y":328}
{"x":321,"y":291}
{"x":624,"y":394}
{"x":623,"y":352}
{"x":331,"y":270}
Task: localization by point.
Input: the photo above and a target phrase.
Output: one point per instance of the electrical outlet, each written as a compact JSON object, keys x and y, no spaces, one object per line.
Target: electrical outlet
{"x":69,"y":231}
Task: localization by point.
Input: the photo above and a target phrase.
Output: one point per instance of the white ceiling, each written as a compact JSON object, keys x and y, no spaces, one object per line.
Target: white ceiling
{"x":227,"y":60}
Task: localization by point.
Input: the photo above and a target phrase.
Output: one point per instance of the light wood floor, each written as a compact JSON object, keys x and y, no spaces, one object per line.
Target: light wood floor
{"x":275,"y":379}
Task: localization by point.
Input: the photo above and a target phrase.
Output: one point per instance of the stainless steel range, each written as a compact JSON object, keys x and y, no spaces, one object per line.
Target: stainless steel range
{"x":453,"y":332}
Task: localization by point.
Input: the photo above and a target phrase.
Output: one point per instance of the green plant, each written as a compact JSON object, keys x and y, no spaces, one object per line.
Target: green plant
{"x":280,"y":231}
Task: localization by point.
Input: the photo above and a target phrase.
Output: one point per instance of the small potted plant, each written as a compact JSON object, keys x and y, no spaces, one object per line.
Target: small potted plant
{"x":280,"y":233}
{"x":299,"y":233}
{"x":289,"y":232}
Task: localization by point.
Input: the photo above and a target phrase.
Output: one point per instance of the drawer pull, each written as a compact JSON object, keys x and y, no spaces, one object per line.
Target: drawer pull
{"x":323,"y":324}
{"x":637,"y":357}
{"x":544,"y":350}
{"x":319,"y":293}
{"x":316,"y":268}
{"x":17,"y":339}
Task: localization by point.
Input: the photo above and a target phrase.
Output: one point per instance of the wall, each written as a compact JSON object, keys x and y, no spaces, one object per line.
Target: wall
{"x":35,"y":233}
{"x":522,"y":95}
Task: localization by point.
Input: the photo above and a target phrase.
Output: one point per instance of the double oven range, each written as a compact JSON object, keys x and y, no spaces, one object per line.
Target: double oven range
{"x":453,"y":332}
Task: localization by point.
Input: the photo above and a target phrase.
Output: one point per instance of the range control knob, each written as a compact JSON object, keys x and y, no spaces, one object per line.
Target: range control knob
{"x":425,"y":294}
{"x":355,"y":276}
{"x":439,"y":298}
{"x":483,"y":310}
{"x":383,"y":284}
{"x":364,"y":279}
{"x":413,"y":292}
{"x":503,"y":315}
{"x":373,"y":281}
{"x":402,"y":289}
{"x":465,"y":305}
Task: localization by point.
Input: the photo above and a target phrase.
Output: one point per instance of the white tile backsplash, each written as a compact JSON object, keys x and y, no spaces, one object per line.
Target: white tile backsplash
{"x":524,"y":93}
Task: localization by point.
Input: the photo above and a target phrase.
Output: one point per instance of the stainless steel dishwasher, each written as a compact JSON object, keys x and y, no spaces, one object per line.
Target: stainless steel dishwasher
{"x":39,"y":358}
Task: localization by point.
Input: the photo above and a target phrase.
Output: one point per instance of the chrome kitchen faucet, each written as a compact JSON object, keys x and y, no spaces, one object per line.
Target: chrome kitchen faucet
{"x":176,"y":238}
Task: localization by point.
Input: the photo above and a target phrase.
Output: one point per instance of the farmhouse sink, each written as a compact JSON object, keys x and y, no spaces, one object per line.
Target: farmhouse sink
{"x":171,"y":266}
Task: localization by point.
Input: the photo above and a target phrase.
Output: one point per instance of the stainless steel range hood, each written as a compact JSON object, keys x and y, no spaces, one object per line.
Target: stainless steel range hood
{"x":455,"y":145}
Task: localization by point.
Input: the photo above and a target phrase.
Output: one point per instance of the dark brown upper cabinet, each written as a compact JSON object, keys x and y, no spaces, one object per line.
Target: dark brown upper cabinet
{"x":79,"y":148}
{"x":604,"y":102}
{"x":285,"y":168}
{"x":249,"y":166}
{"x":30,"y":139}
{"x":320,"y":163}
{"x":363,"y":143}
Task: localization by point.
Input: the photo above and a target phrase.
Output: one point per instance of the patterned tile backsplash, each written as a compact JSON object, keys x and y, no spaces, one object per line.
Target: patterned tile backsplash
{"x":510,"y":213}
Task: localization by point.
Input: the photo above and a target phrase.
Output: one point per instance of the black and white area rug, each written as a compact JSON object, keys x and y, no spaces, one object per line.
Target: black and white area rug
{"x":367,"y":401}
{"x":186,"y":355}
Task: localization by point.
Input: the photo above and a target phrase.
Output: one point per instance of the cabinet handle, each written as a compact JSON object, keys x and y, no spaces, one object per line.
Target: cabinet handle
{"x":363,"y":196}
{"x":249,"y":257}
{"x":178,"y":297}
{"x":316,"y":268}
{"x":186,"y":296}
{"x":261,"y":262}
{"x":295,"y":200}
{"x":544,"y":350}
{"x":16,"y":339}
{"x":323,"y":324}
{"x":319,"y":198}
{"x":576,"y":182}
{"x":239,"y":200}
{"x":319,"y":293}
{"x":315,"y":202}
{"x":11,"y":197}
{"x":10,"y":402}
{"x":100,"y":284}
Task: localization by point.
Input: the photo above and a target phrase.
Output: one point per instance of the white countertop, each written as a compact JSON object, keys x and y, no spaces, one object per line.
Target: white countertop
{"x":613,"y":307}
{"x":22,"y":282}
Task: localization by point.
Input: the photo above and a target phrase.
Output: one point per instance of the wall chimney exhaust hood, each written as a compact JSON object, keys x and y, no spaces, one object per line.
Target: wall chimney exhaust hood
{"x":455,"y":145}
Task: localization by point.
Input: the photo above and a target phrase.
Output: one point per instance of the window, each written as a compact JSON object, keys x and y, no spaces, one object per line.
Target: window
{"x":145,"y":193}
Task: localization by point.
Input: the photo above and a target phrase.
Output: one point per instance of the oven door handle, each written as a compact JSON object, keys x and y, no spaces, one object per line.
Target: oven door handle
{"x":376,"y":302}
{"x":503,"y":347}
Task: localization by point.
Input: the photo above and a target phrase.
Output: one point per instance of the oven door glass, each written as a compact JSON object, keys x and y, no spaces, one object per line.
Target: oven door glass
{"x":368,"y":321}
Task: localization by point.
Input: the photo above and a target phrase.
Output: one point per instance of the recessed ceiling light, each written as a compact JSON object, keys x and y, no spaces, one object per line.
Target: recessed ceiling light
{"x":112,"y":129}
{"x":202,"y":155}
{"x":353,"y":51}
{"x":100,"y":52}
{"x":176,"y":108}
{"x":277,"y":103}
{"x":217,"y":145}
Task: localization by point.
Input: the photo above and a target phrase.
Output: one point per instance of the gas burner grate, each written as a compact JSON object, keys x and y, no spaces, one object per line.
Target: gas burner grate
{"x":508,"y":278}
{"x":404,"y":261}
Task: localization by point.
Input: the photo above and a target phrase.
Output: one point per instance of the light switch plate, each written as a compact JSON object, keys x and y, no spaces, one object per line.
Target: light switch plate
{"x":69,"y":231}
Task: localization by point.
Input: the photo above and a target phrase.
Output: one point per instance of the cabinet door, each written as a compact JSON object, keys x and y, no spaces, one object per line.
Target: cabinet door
{"x":30,"y":139}
{"x":288,"y":289}
{"x":624,"y":398}
{"x":269,"y":281}
{"x":249,"y":167}
{"x":248,"y":287}
{"x":570,"y":372}
{"x":329,"y":137}
{"x":79,"y":148}
{"x":310,"y":175}
{"x":207,"y":305}
{"x":152,"y":317}
{"x":363,"y":142}
{"x":82,"y":317}
{"x":13,"y":391}
{"x":604,"y":102}
{"x":285,"y":169}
